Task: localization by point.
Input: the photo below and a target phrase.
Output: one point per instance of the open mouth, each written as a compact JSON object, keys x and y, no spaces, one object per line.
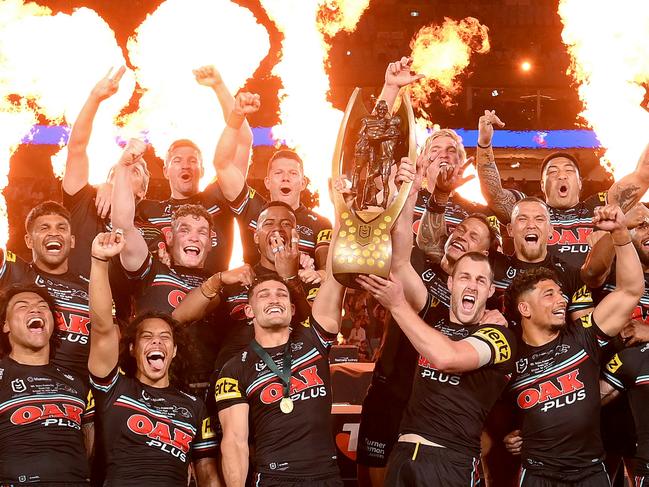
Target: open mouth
{"x":645,"y":242}
{"x":285,"y":191}
{"x":156,"y":359}
{"x":468,"y":302}
{"x":563,"y":190}
{"x":192,"y":250}
{"x":36,"y":324}
{"x":531,"y":237}
{"x":274,"y":309}
{"x":560,"y":313}
{"x":185,"y":176}
{"x":457,"y":244}
{"x":53,"y":246}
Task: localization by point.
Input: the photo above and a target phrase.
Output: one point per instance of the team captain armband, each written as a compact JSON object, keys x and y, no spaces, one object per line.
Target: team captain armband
{"x":496,"y":339}
{"x":324,"y":236}
{"x":226,"y":388}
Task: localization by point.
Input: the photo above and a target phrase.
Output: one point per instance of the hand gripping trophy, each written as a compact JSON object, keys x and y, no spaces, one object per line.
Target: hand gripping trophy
{"x":368,"y":148}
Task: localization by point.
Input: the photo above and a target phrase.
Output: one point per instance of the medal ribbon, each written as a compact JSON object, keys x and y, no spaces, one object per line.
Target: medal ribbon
{"x":284,"y":374}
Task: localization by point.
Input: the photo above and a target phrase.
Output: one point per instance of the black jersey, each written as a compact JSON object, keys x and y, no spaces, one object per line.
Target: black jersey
{"x":395,"y":367}
{"x":641,"y":311}
{"x":42,"y":409}
{"x":505,"y":268}
{"x":158,"y":287}
{"x":628,"y":371}
{"x":313,"y":229}
{"x":450,"y":409}
{"x":148,"y":435}
{"x":556,"y":392}
{"x":233,"y":322}
{"x":571,"y":228}
{"x":298,"y":444}
{"x":72,"y":314}
{"x":158,"y":214}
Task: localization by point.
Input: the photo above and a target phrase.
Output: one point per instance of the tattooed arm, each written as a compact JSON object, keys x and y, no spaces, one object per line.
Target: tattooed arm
{"x":500,"y":200}
{"x":627,"y":191}
{"x":432,"y":233}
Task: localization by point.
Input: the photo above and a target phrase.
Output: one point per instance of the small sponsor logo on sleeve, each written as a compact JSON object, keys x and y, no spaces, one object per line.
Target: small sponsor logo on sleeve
{"x":502,"y":349}
{"x":226,"y":388}
{"x":614,"y":364}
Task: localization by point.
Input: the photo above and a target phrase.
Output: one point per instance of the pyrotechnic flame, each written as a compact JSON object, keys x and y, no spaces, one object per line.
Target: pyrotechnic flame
{"x":610,"y":59}
{"x":441,"y":53}
{"x":182,"y":35}
{"x":309,"y":123}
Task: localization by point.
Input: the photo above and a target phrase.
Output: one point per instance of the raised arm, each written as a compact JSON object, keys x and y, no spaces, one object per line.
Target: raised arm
{"x":104,"y":333}
{"x":328,"y":304}
{"x":500,"y":200}
{"x":209,"y":76}
{"x":442,"y":352}
{"x":397,"y":75}
{"x":414,"y":289}
{"x":76,"y":164}
{"x":613,"y":312}
{"x":627,"y":191}
{"x":231,"y":176}
{"x":234,"y":445}
{"x":135,"y":251}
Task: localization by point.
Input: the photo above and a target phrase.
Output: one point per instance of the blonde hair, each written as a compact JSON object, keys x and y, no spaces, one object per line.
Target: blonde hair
{"x":446,"y":133}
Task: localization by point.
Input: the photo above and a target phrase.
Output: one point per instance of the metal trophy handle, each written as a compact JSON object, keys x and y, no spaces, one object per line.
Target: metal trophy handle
{"x":371,"y":145}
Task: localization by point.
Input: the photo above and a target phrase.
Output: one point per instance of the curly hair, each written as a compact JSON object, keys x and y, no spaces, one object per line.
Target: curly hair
{"x":179,"y":369}
{"x":524,"y":282}
{"x":5,"y":298}
{"x":197,"y":211}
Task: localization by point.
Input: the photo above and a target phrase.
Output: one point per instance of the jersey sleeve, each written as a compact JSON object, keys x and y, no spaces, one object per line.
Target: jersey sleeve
{"x":102,"y":387}
{"x":230,"y":387}
{"x":81,"y":201}
{"x":580,"y":296}
{"x":502,"y":343}
{"x":88,"y":415}
{"x":324,"y":339}
{"x":324,"y":231}
{"x":591,"y":336}
{"x":13,"y":269}
{"x":205,"y":443}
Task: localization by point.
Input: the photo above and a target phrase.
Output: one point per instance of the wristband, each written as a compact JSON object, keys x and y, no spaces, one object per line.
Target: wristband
{"x":434,"y":207}
{"x":623,"y":244}
{"x":483,"y":146}
{"x":235,"y":121}
{"x":208,"y":290}
{"x":99,"y":258}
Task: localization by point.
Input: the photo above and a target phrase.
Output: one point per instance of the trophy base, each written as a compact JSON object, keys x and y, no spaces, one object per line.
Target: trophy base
{"x":348,"y":279}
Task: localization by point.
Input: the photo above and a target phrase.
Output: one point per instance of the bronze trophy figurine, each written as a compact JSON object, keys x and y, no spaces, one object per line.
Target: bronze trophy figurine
{"x":368,"y":149}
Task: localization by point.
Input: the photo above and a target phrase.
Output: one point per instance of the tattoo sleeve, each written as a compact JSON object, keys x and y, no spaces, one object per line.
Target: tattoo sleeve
{"x":500,"y":200}
{"x":432,"y":235}
{"x":624,"y":195}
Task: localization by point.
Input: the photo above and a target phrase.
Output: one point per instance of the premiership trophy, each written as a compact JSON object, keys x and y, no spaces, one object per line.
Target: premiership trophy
{"x":368,"y":150}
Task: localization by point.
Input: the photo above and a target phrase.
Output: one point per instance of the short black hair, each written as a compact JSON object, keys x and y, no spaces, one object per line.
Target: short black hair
{"x":556,"y":155}
{"x":44,"y":209}
{"x":10,"y":292}
{"x":475,"y":257}
{"x":285,"y":154}
{"x":179,"y":370}
{"x":280,"y":204}
{"x":265,"y":278}
{"x":524,"y":282}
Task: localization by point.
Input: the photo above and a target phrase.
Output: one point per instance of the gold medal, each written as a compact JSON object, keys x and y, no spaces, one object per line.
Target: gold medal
{"x":286,"y":405}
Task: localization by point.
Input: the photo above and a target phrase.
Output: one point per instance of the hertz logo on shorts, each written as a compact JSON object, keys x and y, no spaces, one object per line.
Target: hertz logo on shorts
{"x":226,"y":388}
{"x":502,"y":350}
{"x":614,"y":364}
{"x":206,"y":429}
{"x":324,"y":236}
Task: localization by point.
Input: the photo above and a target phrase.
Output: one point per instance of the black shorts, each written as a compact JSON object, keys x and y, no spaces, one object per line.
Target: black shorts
{"x":591,"y":477}
{"x":379,"y":428}
{"x":267,"y":480}
{"x":417,"y":465}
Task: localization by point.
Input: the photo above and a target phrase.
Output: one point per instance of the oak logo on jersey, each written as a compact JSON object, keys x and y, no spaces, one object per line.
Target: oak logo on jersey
{"x":75,"y":325}
{"x":614,"y":364}
{"x":175,"y":297}
{"x":51,"y":414}
{"x":226,"y":388}
{"x":309,"y":385}
{"x":168,"y":439}
{"x":502,"y":349}
{"x":567,"y":390}
{"x":569,"y":241}
{"x":430,"y":372}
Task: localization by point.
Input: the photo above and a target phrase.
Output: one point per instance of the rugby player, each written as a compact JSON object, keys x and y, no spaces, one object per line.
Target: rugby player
{"x":149,"y":432}
{"x":556,"y":384}
{"x":276,"y":392}
{"x":45,"y":412}
{"x":285,"y":182}
{"x":561,"y":186}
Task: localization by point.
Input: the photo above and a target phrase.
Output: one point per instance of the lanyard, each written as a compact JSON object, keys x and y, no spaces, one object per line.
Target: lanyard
{"x":284,"y":374}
